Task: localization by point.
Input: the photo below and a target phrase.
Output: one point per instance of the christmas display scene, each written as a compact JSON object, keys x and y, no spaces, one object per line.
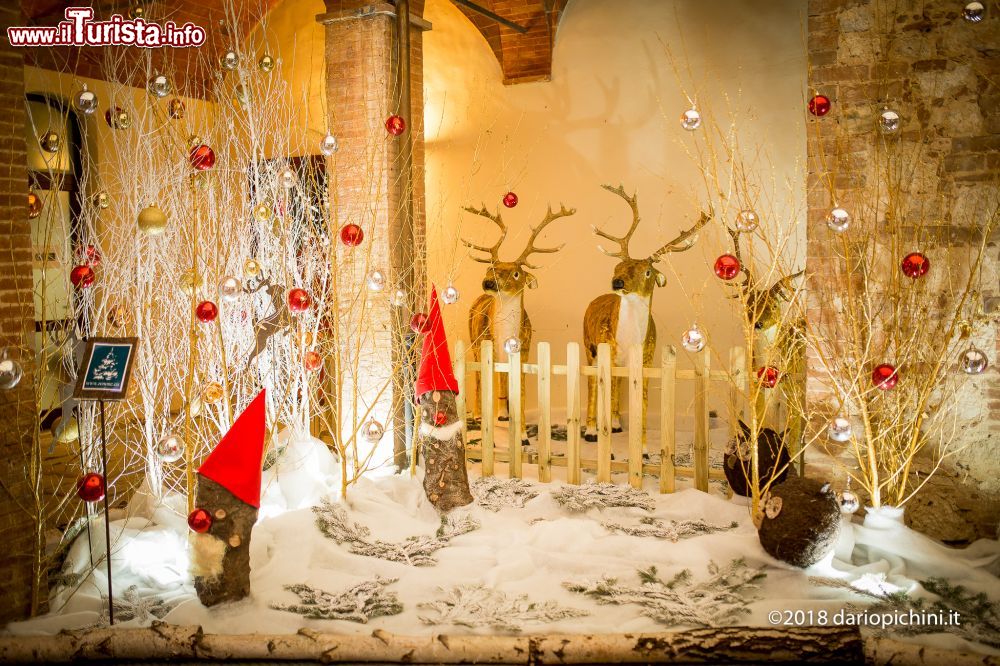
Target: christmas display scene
{"x":500,"y":331}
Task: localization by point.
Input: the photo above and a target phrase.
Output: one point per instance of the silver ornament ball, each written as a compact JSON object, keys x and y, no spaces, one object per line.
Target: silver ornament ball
{"x":691,"y":119}
{"x":838,"y":219}
{"x":170,"y":448}
{"x":693,"y":340}
{"x":450,"y":295}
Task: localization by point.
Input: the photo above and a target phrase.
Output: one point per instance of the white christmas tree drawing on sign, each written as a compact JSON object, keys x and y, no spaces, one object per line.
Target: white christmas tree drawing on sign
{"x":107,"y":369}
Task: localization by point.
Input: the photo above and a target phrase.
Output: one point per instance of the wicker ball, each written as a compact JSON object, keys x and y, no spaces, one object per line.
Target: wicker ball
{"x":800,"y":522}
{"x":771,"y":455}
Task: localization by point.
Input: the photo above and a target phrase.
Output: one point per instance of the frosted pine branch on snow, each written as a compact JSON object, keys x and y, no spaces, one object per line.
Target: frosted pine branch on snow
{"x":360,"y":603}
{"x":131,"y":605}
{"x":494,"y":494}
{"x":482,"y":606}
{"x":654,"y":527}
{"x":601,"y":496}
{"x":334,"y":523}
{"x":717,"y":601}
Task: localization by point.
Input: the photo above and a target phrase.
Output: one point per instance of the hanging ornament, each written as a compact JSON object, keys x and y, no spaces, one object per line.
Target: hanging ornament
{"x":287,"y":178}
{"x":202,"y":157}
{"x":170,"y":448}
{"x":838,"y":219}
{"x":136,"y":11}
{"x":298,"y":300}
{"x":117,"y":118}
{"x":200,"y":521}
{"x":90,"y":254}
{"x":266,"y":63}
{"x":49,"y":141}
{"x":768,"y":376}
{"x":328,"y":145}
{"x":176,"y":109}
{"x":510,"y":200}
{"x":915,"y":265}
{"x":229,"y":289}
{"x":888,"y":121}
{"x":312,"y":361}
{"x":885,"y":376}
{"x":351,"y":235}
{"x":117,"y":316}
{"x":206,"y":312}
{"x":693,"y":339}
{"x":230,"y":60}
{"x":103,"y":200}
{"x":159,"y":86}
{"x":819,"y":105}
{"x":973,"y":361}
{"x":395,"y":125}
{"x":372,"y":431}
{"x":189,"y":283}
{"x":212,"y":393}
{"x":512,"y":345}
{"x":691,"y":119}
{"x":82,"y":276}
{"x":263,"y":212}
{"x":747,"y":220}
{"x":450,"y":295}
{"x":727,"y":267}
{"x":399,"y":298}
{"x":251,"y":268}
{"x":973,"y":12}
{"x":90,"y":487}
{"x":65,"y":431}
{"x":10,"y":371}
{"x":964,"y":327}
{"x":86,"y":101}
{"x":152,"y":221}
{"x":419,"y":323}
{"x":839,"y":429}
{"x":376,"y":281}
{"x":849,"y":502}
{"x":34,"y":205}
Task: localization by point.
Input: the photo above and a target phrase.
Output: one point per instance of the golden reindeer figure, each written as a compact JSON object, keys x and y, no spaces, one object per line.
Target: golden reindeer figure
{"x":624,"y":318}
{"x":499,"y":314}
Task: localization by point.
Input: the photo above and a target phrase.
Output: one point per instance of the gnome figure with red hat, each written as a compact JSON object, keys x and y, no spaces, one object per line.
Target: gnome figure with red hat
{"x":227,"y":503}
{"x":446,"y":480}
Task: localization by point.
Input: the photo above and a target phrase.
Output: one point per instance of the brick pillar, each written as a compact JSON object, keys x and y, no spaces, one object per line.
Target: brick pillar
{"x":18,"y":410}
{"x":368,"y":188}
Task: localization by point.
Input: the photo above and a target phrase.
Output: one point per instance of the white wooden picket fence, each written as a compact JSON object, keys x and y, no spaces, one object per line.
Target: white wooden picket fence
{"x":576,"y":390}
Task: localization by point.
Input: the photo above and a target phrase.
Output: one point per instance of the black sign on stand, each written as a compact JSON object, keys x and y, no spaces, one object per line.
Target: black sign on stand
{"x":104,"y":375}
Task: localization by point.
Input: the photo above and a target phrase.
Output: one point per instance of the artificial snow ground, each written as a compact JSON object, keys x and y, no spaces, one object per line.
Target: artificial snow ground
{"x":531,"y":551}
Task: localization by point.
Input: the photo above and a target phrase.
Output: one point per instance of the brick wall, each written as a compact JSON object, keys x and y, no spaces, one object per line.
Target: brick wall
{"x":17,"y":406}
{"x":943,"y":74}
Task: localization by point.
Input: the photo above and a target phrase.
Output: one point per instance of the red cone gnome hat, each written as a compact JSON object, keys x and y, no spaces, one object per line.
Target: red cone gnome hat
{"x":235,"y":463}
{"x":435,"y":361}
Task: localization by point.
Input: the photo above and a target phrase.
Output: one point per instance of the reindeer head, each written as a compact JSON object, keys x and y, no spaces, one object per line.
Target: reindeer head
{"x":640,"y":276}
{"x":511,"y":277}
{"x":763,"y":305}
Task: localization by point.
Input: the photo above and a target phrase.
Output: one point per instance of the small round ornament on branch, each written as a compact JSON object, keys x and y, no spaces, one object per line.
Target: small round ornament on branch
{"x":351,"y":235}
{"x":86,"y":101}
{"x":727,"y":267}
{"x":10,"y":371}
{"x":450,"y":295}
{"x":299,"y":300}
{"x":170,"y":448}
{"x":419,"y":323}
{"x":885,"y":376}
{"x":691,"y":119}
{"x":200,"y":521}
{"x":117,"y":118}
{"x":328,"y":145}
{"x":395,"y":125}
{"x":202,"y":157}
{"x":34,"y":205}
{"x":152,"y":221}
{"x":820,"y":105}
{"x":915,"y":265}
{"x":376,"y":281}
{"x":693,"y":339}
{"x":974,"y":12}
{"x":91,"y":487}
{"x":158,"y":86}
{"x":312,"y":360}
{"x":767,"y":376}
{"x":838,"y":219}
{"x":973,"y":361}
{"x":510,"y":200}
{"x":206,"y":312}
{"x":82,"y":276}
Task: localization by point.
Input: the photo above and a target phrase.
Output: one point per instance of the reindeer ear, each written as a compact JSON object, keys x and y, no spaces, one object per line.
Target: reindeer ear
{"x":530,"y":281}
{"x":661,"y":279}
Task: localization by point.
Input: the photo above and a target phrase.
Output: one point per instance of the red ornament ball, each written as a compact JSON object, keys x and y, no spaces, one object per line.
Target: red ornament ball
{"x":915,"y":265}
{"x":351,"y":235}
{"x":768,"y":376}
{"x":510,"y":200}
{"x":206,"y":312}
{"x":298,"y":300}
{"x":727,"y":267}
{"x":200,"y":521}
{"x":91,"y":487}
{"x":885,"y":376}
{"x":82,"y":276}
{"x":419,"y":323}
{"x":440,"y":418}
{"x":312,"y":361}
{"x":90,"y":254}
{"x":395,"y":125}
{"x":819,"y":105}
{"x":202,"y":157}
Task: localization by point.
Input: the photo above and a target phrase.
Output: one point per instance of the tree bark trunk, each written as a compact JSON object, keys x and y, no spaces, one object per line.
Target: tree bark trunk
{"x":446,"y":480}
{"x":221,"y":557}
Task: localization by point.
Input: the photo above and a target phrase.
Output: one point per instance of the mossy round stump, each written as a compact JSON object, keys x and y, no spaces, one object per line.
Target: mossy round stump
{"x":800,"y":522}
{"x":771,"y":455}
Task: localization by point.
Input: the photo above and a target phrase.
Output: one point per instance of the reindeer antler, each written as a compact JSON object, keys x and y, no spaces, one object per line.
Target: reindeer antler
{"x":622,"y":241}
{"x":495,"y":249}
{"x":778,"y":288}
{"x":747,"y":279}
{"x":530,"y":247}
{"x":685,"y":240}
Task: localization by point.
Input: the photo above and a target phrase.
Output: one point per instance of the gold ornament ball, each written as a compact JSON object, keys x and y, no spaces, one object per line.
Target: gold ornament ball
{"x":103,"y":200}
{"x":152,"y":221}
{"x":68,"y":434}
{"x":251,"y":268}
{"x":212,"y":393}
{"x":117,"y":316}
{"x":266,"y":63}
{"x":262,"y":212}
{"x":189,"y":284}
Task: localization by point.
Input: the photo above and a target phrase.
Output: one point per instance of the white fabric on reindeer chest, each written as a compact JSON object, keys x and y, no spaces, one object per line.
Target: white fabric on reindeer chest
{"x":633,"y":323}
{"x":507,"y":323}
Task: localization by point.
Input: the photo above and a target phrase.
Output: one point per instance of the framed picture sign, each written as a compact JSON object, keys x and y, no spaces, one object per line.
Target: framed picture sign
{"x":106,"y":369}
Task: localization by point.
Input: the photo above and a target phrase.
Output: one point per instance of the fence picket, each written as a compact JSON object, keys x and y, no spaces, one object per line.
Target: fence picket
{"x":636,"y":426}
{"x":486,"y":410}
{"x":459,"y":369}
{"x":702,"y":362}
{"x":604,"y":412}
{"x":514,"y":411}
{"x":573,"y":412}
{"x":544,"y":412}
{"x":668,"y":437}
